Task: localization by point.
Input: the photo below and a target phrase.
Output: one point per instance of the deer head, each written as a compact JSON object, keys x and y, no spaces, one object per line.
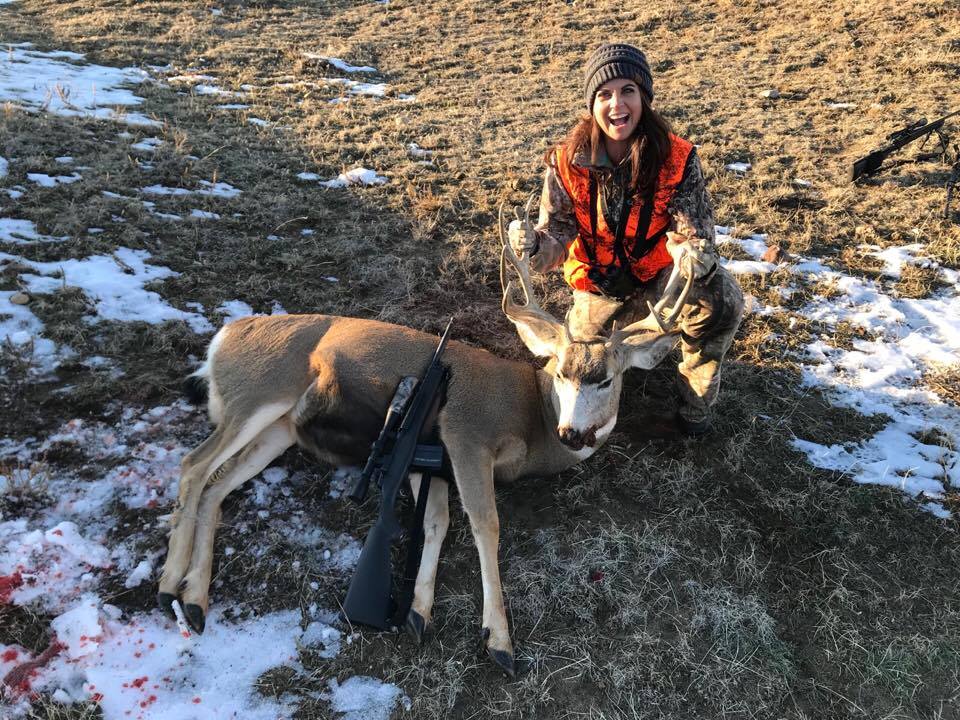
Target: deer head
{"x":587,"y":373}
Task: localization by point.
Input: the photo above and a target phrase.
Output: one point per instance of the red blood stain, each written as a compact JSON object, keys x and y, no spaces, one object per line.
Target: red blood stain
{"x":19,"y":677}
{"x":58,"y":532}
{"x":138,"y":683}
{"x":9,"y":583}
{"x":185,"y":633}
{"x":96,"y":697}
{"x":10,"y":655}
{"x":597,"y":576}
{"x":196,"y":701}
{"x":136,"y":654}
{"x":151,"y":646}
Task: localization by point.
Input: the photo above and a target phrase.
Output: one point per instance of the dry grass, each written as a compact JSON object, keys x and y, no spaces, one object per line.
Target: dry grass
{"x":697,"y":580}
{"x":917,"y":282}
{"x":945,"y":382}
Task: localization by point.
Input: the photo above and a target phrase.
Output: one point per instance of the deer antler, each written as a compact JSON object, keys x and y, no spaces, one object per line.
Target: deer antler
{"x":654,"y":322}
{"x":531,"y":309}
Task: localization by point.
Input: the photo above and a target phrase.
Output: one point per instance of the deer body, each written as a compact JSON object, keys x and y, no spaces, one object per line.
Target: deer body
{"x":325,"y":383}
{"x":331,"y":372}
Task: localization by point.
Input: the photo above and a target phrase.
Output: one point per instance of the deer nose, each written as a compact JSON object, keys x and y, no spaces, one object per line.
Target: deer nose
{"x":571,"y":438}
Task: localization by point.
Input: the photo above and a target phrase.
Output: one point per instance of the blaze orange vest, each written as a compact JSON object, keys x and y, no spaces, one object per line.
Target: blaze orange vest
{"x":576,"y":181}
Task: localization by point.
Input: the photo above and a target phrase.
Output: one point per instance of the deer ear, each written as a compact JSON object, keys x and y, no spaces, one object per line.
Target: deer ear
{"x":646,"y":350}
{"x":538,"y":334}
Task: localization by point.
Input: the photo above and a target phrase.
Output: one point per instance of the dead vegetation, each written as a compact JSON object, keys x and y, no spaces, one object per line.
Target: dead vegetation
{"x":696,"y":580}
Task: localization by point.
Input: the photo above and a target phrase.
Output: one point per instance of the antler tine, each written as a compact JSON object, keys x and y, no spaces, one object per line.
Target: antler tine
{"x":503,"y":238}
{"x":522,"y":266}
{"x":526,"y":209}
{"x":654,"y":322}
{"x":678,"y":305}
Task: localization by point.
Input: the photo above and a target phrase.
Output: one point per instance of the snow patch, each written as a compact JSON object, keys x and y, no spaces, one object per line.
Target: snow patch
{"x":882,"y":374}
{"x":48,"y":181}
{"x":357,"y":176}
{"x":116,"y":285}
{"x":23,"y":232}
{"x":62,"y":83}
{"x":339,"y":64}
{"x":364,"y":698}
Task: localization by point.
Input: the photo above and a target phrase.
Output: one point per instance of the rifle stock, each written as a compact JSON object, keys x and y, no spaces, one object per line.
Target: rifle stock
{"x":369,"y":600}
{"x":868,"y":165}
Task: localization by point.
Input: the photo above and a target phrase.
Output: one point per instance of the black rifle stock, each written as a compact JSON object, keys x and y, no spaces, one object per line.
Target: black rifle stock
{"x":370,"y":598}
{"x":872,"y":162}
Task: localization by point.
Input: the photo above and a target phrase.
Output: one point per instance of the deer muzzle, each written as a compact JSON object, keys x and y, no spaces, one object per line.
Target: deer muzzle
{"x":577,"y":439}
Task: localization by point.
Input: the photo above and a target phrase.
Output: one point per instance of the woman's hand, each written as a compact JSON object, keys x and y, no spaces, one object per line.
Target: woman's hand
{"x":687,"y":255}
{"x":523,"y":238}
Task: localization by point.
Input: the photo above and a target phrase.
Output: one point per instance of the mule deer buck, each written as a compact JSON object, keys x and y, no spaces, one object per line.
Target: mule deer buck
{"x":325,"y":383}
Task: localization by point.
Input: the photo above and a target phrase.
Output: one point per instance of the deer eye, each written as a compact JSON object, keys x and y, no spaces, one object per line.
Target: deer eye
{"x":605,"y":384}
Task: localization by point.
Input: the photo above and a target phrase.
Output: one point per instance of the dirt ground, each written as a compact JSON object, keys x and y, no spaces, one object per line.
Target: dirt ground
{"x":724,"y":577}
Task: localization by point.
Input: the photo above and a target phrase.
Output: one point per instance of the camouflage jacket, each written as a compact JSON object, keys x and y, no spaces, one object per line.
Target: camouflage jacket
{"x":690,"y":208}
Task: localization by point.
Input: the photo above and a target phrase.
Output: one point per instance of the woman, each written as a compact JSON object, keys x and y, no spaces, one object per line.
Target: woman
{"x":623,"y":200}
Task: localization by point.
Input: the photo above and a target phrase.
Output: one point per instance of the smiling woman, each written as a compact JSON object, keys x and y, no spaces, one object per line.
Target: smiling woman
{"x":624,"y":201}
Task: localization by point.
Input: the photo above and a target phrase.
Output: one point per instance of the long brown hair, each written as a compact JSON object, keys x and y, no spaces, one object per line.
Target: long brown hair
{"x":649,"y":147}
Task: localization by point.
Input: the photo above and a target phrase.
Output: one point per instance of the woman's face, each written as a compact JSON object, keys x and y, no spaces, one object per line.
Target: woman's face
{"x":617,"y":108}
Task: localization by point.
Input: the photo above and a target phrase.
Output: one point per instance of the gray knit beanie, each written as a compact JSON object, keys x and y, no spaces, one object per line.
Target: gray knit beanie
{"x":617,"y":60}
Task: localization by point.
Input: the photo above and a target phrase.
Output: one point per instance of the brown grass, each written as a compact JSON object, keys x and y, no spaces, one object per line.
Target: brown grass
{"x":694,"y":580}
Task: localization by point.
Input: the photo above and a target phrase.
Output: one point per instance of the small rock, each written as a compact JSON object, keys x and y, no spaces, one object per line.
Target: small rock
{"x":20,"y":298}
{"x":775,"y":254}
{"x":771,"y":94}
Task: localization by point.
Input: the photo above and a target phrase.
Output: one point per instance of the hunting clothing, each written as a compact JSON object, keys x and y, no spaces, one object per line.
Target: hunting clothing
{"x":595,"y":245}
{"x":567,"y":235}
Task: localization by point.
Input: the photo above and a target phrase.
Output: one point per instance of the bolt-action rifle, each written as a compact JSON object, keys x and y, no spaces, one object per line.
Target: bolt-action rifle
{"x":395,"y":454}
{"x":896,"y":140}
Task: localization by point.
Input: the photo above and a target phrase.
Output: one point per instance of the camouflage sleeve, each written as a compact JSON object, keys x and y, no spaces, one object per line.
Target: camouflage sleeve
{"x":556,"y":227}
{"x":691,"y":209}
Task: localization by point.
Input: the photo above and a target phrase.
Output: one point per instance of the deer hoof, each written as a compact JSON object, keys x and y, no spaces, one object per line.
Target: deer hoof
{"x":415,"y":626}
{"x":195,"y":618}
{"x":504,"y":661}
{"x":502,"y":658}
{"x":165,"y":601}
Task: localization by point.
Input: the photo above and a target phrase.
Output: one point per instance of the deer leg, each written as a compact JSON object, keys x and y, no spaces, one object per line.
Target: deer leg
{"x":267,"y":446}
{"x":436,"y":520}
{"x":198,"y":468}
{"x":475,"y":483}
{"x":193,"y":476}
